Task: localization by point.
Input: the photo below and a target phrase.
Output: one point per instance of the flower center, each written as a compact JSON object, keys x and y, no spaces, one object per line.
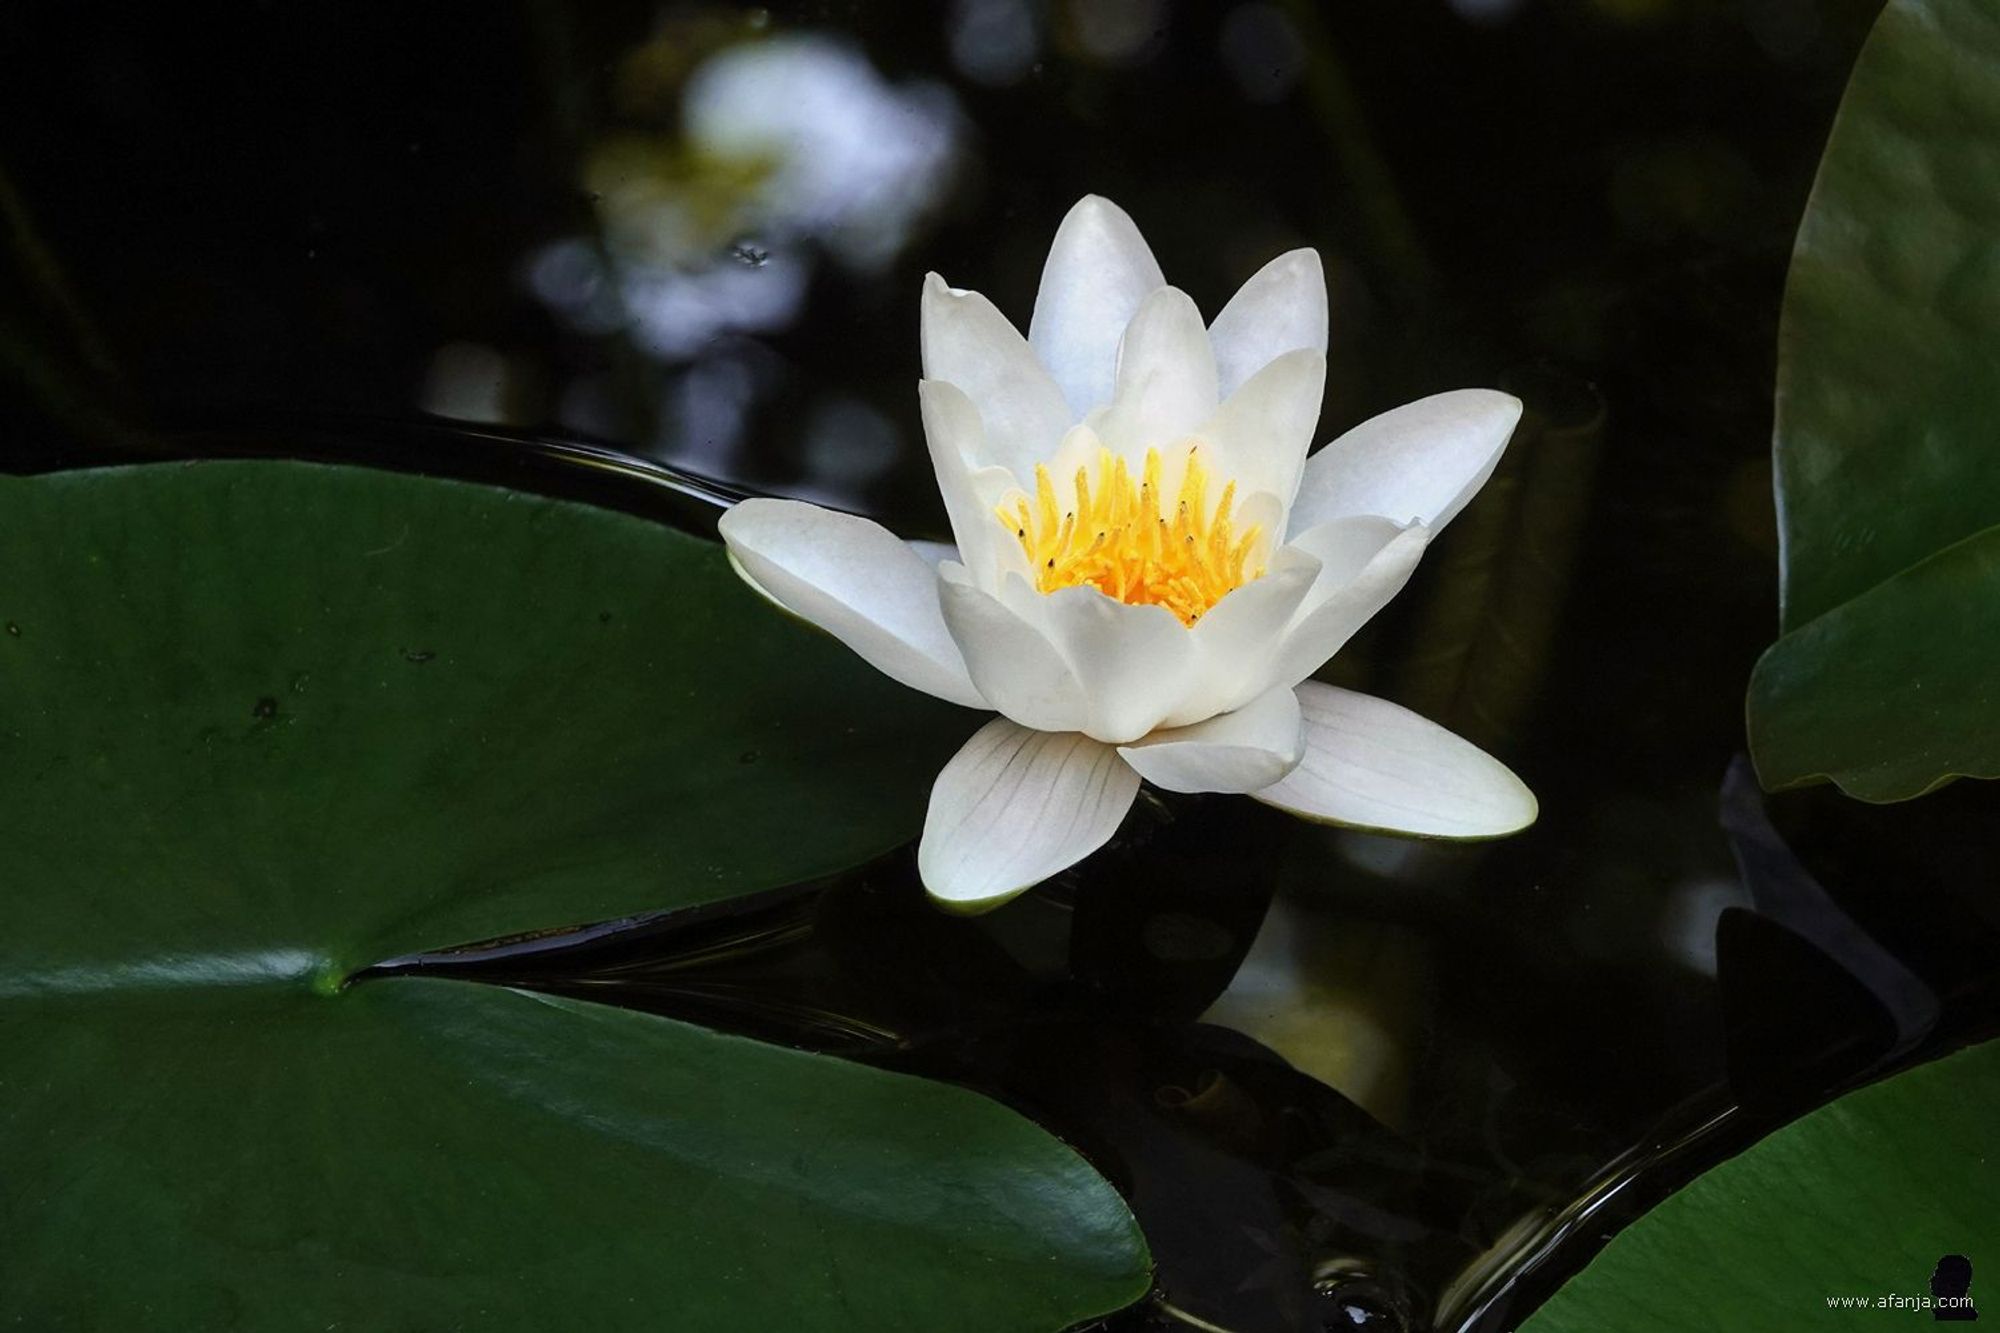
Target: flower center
{"x":1130,"y":542}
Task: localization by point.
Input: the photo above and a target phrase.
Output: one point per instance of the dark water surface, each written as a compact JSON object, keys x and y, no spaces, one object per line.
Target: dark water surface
{"x":577,"y":248}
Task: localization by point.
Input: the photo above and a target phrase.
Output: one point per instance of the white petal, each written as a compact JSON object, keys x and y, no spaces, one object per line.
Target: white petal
{"x":955,"y":437}
{"x":1015,"y":806}
{"x":1246,"y":750}
{"x":1281,"y":308}
{"x":1261,"y":434}
{"x":1372,"y":764}
{"x":857,"y":581}
{"x":1016,"y":668}
{"x":934,"y":553}
{"x":1135,"y":663}
{"x":1345,"y":548}
{"x":1166,"y":377}
{"x":1080,"y":448}
{"x":1365,"y":561}
{"x":1098,"y":271}
{"x":1421,"y":461}
{"x":1237,"y":642}
{"x":969,"y":343}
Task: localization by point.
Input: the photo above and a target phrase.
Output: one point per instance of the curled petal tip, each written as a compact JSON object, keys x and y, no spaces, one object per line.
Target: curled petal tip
{"x":935,"y":285}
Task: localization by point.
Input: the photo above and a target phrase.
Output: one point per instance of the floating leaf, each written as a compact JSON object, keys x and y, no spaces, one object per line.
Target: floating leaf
{"x":1862,"y":1198}
{"x":1888,"y":394}
{"x":262,"y":724}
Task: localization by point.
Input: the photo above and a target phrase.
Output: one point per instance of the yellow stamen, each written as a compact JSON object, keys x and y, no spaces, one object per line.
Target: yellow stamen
{"x":1133,"y":544}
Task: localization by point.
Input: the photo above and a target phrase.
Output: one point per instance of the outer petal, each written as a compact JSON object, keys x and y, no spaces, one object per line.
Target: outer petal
{"x":1016,"y":668}
{"x":1135,"y":663}
{"x":955,"y":436}
{"x":1365,"y":561}
{"x":967,"y":342}
{"x":1098,"y":271}
{"x":1166,"y":377}
{"x":1421,"y":461}
{"x":1281,"y":308}
{"x":1375,"y":765}
{"x":858,"y":582}
{"x":1015,"y":806}
{"x":1261,"y":434}
{"x":1246,"y":750}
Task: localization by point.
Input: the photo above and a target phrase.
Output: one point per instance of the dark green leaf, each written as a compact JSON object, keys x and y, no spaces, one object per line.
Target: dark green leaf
{"x":1860,"y":1198}
{"x":1889,"y":388}
{"x":436,"y":1154}
{"x":360,"y":714}
{"x":1865,"y":695}
{"x":262,"y":724}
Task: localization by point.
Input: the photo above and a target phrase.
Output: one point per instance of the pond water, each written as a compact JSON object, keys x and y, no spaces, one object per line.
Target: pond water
{"x":657,"y":257}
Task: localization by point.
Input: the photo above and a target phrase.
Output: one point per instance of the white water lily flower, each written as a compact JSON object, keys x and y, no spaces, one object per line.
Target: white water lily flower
{"x":1148,"y":566}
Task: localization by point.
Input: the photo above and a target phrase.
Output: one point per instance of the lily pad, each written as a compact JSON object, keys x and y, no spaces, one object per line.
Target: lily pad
{"x":1865,"y":694}
{"x":262,"y":724}
{"x":1888,"y":390}
{"x":1862,"y":1198}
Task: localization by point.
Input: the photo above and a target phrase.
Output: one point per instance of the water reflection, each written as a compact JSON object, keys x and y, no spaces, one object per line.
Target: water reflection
{"x":851,"y":160}
{"x":763,"y":144}
{"x":849,"y":443}
{"x":707,"y":409}
{"x":1485,"y":11}
{"x":196,"y":972}
{"x":994,"y":42}
{"x":675,"y":313}
{"x":470,"y":381}
{"x":1342,"y":999}
{"x":1689,"y":916}
{"x":773,"y":156}
{"x":1116,"y":32}
{"x":1263,"y":51}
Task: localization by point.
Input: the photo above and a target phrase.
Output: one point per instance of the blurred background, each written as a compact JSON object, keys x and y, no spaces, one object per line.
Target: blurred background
{"x":696,"y":233}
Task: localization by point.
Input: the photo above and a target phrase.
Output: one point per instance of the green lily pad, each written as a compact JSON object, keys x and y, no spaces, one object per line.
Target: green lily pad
{"x":262,"y":724}
{"x":1888,"y":391}
{"x":1862,"y":1198}
{"x":1863,"y":693}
